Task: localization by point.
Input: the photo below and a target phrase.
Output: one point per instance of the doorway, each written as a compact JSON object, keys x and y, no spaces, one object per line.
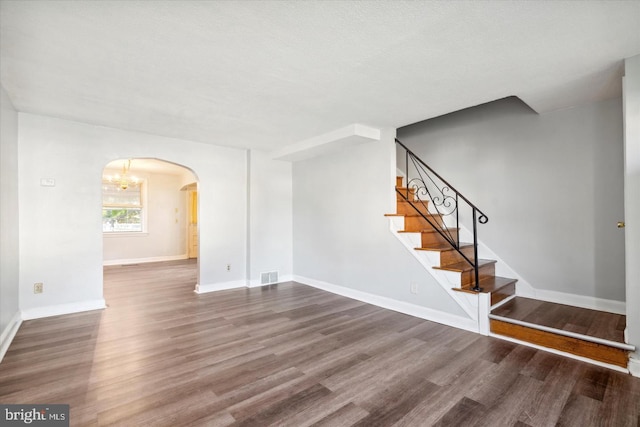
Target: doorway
{"x":146,"y":215}
{"x":192,"y":215}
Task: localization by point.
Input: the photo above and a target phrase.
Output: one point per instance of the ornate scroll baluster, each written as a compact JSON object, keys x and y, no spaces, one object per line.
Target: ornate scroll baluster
{"x":438,"y":202}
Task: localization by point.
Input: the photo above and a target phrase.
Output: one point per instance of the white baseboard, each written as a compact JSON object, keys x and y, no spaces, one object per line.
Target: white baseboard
{"x":222,"y":286}
{"x":58,"y":309}
{"x":610,"y":306}
{"x":392,"y":304}
{"x":525,"y":289}
{"x":256,"y":283}
{"x":9,"y":333}
{"x":634,"y":366}
{"x":144,"y":260}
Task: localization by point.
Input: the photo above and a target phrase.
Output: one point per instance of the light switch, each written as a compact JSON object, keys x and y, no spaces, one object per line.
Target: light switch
{"x":47,"y":182}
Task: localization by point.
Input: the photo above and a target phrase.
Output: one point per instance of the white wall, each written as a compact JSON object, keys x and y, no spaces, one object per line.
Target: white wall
{"x":165,"y":236}
{"x":632,"y":204}
{"x":61,"y":234}
{"x":270,"y":217}
{"x":9,"y":244}
{"x":340,"y":234}
{"x":187,"y":178}
{"x":551,"y":184}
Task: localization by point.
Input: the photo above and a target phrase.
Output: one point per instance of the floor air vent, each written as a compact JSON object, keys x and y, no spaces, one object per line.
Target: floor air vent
{"x":269,"y":278}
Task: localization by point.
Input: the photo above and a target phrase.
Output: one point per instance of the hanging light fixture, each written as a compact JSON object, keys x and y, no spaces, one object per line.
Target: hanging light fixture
{"x":124,"y":180}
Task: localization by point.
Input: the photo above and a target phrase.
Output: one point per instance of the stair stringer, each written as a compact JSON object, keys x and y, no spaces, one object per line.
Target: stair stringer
{"x":471,"y":303}
{"x":523,"y":287}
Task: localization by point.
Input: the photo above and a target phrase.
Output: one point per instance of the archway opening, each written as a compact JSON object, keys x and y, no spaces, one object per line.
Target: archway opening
{"x":149,"y":213}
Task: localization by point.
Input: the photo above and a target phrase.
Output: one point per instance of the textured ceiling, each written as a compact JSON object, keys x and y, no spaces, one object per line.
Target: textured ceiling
{"x":268,"y":74}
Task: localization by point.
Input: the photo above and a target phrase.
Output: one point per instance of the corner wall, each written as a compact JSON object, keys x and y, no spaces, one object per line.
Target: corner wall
{"x":550,"y":184}
{"x":9,"y":236}
{"x":270,"y":217}
{"x":341,"y":238}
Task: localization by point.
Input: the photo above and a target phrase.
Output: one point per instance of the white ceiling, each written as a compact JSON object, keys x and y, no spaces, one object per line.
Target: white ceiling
{"x":267,"y":74}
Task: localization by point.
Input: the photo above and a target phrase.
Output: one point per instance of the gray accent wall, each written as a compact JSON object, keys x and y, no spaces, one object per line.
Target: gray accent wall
{"x":551,"y":184}
{"x":9,"y":272}
{"x":340,"y":233}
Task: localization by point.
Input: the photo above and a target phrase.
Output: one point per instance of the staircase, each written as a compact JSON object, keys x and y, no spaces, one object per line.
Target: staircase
{"x":420,"y":219}
{"x":427,"y":220}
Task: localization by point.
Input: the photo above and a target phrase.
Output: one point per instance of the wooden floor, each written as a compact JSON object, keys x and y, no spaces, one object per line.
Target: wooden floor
{"x":599,"y":324}
{"x":291,"y":355}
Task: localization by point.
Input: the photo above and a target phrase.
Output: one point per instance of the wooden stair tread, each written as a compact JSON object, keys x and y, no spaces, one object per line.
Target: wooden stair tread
{"x":432,"y":230}
{"x":444,"y":247}
{"x":430,"y":214}
{"x":464,"y":266}
{"x":492,"y":284}
{"x":573,"y":345}
{"x":594,"y":334}
{"x":489,"y":284}
{"x":404,"y":190}
{"x":600,"y":324}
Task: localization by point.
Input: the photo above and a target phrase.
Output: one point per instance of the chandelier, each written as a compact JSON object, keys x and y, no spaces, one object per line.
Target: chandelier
{"x":125,"y":180}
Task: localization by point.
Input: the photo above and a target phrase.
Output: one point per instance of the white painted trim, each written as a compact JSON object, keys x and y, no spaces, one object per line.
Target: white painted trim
{"x":634,"y":366}
{"x":9,"y":334}
{"x":392,"y":304}
{"x":560,"y":353}
{"x":255,"y":283}
{"x":484,"y":308}
{"x":468,"y":302}
{"x":593,"y":303}
{"x":58,"y":309}
{"x":221,"y":286}
{"x":145,"y":260}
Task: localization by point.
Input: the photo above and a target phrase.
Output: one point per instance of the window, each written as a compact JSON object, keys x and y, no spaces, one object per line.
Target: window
{"x":122,"y":210}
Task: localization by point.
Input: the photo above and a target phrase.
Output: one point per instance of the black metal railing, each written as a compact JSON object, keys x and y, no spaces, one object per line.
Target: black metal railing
{"x":439,"y":203}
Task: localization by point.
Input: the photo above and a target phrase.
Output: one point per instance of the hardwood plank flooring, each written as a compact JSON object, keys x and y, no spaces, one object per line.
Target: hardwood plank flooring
{"x":291,"y":355}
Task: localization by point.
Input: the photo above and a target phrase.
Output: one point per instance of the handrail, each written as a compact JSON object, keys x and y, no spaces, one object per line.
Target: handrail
{"x":445,"y":199}
{"x":442,"y":179}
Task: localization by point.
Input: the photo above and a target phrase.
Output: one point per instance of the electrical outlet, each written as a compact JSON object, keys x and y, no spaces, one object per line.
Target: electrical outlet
{"x":414,"y":287}
{"x":228,"y":267}
{"x":38,"y":288}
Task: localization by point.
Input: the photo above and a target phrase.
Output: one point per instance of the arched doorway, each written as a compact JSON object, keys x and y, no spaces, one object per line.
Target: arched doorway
{"x":147,"y":215}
